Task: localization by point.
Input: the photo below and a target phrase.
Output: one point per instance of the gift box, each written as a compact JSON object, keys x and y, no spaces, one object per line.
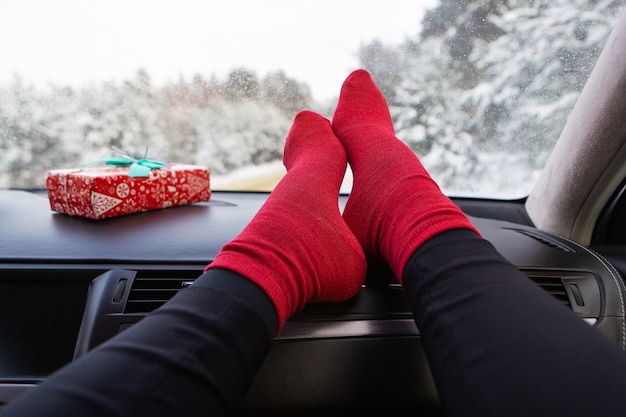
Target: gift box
{"x":99,"y":192}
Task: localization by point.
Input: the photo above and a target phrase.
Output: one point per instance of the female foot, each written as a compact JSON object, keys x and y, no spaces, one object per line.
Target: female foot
{"x":395,"y":205}
{"x":298,"y":248}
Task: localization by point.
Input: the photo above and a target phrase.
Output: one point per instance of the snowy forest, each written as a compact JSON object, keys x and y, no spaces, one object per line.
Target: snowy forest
{"x":480,"y":93}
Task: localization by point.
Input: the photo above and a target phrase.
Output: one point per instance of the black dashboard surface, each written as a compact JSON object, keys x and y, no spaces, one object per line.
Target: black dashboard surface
{"x":48,"y":260}
{"x":193,"y":233}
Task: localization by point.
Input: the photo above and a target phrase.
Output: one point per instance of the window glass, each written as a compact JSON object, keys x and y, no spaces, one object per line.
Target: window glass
{"x":480,"y":90}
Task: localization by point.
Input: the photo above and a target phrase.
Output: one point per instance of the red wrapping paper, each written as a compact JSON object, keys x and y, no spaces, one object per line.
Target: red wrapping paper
{"x":98,"y":193}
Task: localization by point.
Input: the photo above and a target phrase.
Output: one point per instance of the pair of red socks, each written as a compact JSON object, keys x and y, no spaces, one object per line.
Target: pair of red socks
{"x":299,"y":248}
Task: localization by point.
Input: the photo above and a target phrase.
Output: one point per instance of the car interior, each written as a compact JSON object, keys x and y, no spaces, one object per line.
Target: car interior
{"x":68,"y":283}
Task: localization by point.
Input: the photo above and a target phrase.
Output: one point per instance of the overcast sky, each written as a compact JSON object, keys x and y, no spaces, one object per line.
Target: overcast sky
{"x":71,"y":42}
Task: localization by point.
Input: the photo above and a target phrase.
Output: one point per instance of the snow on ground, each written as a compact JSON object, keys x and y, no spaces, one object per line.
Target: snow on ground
{"x":262,"y":177}
{"x":506,"y":176}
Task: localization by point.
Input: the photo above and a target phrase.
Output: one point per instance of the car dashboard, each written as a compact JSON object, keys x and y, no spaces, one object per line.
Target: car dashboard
{"x":69,"y":283}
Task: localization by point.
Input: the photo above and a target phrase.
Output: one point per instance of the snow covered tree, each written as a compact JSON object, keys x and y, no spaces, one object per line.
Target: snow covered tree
{"x":232,"y":135}
{"x":242,"y":84}
{"x":428,"y":114}
{"x":487,"y":86}
{"x":285,"y":93}
{"x":385,"y":64}
{"x":61,"y":127}
{"x":534,"y":72}
{"x":32,"y":131}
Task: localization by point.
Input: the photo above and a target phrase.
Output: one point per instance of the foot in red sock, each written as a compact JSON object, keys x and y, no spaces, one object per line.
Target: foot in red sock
{"x":298,"y":248}
{"x":394,"y":205}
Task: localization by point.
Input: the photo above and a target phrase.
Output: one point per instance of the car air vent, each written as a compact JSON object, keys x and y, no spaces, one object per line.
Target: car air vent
{"x":152,"y":288}
{"x":546,"y":239}
{"x":553,"y":285}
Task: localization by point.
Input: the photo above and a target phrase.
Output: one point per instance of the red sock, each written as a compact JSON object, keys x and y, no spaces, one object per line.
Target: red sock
{"x":297,"y":248}
{"x":394,"y":205}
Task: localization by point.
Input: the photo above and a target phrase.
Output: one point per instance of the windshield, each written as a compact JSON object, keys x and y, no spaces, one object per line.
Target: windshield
{"x":480,"y":90}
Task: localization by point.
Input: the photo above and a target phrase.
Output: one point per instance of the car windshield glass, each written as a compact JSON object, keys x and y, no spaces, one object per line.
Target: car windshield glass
{"x":480,"y":90}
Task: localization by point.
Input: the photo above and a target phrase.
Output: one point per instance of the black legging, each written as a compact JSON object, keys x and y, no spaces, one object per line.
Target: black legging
{"x":497,"y":344}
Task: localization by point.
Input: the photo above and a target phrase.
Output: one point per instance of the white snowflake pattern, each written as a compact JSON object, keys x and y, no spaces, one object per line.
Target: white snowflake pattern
{"x":122,"y":190}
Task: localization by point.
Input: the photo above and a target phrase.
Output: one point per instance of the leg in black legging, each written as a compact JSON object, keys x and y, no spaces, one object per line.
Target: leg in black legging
{"x":499,"y":345}
{"x":195,"y":356}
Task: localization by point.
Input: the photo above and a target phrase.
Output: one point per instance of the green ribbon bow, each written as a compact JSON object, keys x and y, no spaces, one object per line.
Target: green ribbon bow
{"x":138,"y":167}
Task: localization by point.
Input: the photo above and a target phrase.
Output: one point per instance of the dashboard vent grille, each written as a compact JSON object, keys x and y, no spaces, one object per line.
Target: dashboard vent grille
{"x":545,"y":239}
{"x":151,"y":289}
{"x":553,"y":285}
